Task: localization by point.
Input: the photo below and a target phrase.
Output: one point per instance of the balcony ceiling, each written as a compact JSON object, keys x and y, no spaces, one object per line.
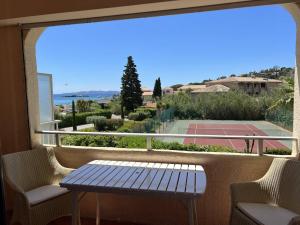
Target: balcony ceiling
{"x":43,"y":13}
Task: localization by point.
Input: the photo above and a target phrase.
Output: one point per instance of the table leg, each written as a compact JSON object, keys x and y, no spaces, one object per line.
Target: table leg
{"x":191,"y":211}
{"x":78,"y":214}
{"x":195,"y":212}
{"x":98,"y":210}
{"x":74,"y":207}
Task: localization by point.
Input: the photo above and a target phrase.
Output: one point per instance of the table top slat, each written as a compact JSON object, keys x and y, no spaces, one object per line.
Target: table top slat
{"x":150,"y":176}
{"x":200,"y":181}
{"x":118,"y":177}
{"x":127,"y":175}
{"x":166,"y":178}
{"x":74,"y":173}
{"x":90,"y":173}
{"x":174,"y":178}
{"x":100,"y":177}
{"x":101,"y":169}
{"x":112,"y":174}
{"x":139,"y":181}
{"x":81,"y":174}
{"x":181,"y":185}
{"x":191,"y":180}
{"x":158,"y":177}
{"x":134,"y":176}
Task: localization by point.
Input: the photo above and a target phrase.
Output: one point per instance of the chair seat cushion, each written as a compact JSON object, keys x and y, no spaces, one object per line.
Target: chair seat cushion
{"x":44,"y":193}
{"x":267,"y":214}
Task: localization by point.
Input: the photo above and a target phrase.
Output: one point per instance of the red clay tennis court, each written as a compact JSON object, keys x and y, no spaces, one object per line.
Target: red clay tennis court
{"x":228,"y":129}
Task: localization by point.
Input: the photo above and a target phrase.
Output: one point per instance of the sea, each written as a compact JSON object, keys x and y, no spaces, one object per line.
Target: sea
{"x":66,"y":99}
{"x":60,"y":100}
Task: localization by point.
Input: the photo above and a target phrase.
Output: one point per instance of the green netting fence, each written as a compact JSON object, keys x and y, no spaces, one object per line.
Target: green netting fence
{"x":281,"y":116}
{"x":155,"y":124}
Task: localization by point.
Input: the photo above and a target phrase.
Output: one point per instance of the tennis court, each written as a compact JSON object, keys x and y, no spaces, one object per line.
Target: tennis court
{"x":217,"y":127}
{"x":228,"y":129}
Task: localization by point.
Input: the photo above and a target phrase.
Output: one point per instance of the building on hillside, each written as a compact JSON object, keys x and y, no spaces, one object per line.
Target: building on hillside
{"x":251,"y":85}
{"x":217,"y":88}
{"x":145,"y":89}
{"x":103,"y":103}
{"x":167,"y":91}
{"x":150,"y":105}
{"x":147,"y":95}
{"x":191,"y":87}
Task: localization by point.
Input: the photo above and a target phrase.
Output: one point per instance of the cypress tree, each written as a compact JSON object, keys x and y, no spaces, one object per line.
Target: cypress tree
{"x":157,"y":92}
{"x":73,"y":116}
{"x":131,"y":91}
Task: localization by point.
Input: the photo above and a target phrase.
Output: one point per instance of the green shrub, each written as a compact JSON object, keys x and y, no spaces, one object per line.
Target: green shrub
{"x":132,"y":142}
{"x":278,"y":151}
{"x":139,"y":116}
{"x":127,"y":127}
{"x":113,"y":124}
{"x":98,"y":121}
{"x":157,"y":144}
{"x":88,"y":140}
{"x":145,"y":126}
{"x":83,"y":105}
{"x":103,"y":124}
{"x":232,"y":105}
{"x":80,"y":118}
{"x":115,"y":106}
{"x":150,"y":111}
{"x":94,"y":119}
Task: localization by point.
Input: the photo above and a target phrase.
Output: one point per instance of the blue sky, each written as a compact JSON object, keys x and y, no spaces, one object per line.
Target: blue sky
{"x":178,"y":49}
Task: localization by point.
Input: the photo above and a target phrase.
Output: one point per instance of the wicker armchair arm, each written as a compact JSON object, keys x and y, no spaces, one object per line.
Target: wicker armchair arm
{"x":247,"y":192}
{"x":295,"y":221}
{"x":59,"y":171}
{"x":22,"y":199}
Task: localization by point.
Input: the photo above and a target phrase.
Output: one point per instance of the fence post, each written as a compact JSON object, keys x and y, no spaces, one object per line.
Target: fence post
{"x":57,"y":140}
{"x":260,"y":147}
{"x":149,"y":144}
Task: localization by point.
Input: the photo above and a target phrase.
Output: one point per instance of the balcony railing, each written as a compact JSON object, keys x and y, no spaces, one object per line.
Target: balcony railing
{"x":149,"y":137}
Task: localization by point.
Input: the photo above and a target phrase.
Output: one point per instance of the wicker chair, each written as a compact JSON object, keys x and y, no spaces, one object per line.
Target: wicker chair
{"x":272,"y":200}
{"x":34,"y":176}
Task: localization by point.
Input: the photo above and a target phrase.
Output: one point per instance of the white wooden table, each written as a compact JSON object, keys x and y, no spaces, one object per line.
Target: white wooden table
{"x":104,"y":176}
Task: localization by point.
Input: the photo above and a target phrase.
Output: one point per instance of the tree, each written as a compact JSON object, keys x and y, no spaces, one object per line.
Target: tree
{"x":286,"y":95}
{"x":131,"y":91}
{"x":73,"y":116}
{"x":83,"y":106}
{"x":157,"y":92}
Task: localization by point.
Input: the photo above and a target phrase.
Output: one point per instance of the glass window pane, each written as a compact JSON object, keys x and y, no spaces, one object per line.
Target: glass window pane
{"x":45,"y":97}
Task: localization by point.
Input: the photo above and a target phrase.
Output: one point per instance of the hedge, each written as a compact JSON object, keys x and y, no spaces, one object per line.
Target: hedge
{"x":136,"y":142}
{"x":278,"y":151}
{"x":88,"y":140}
{"x":140,"y":142}
{"x":80,"y":118}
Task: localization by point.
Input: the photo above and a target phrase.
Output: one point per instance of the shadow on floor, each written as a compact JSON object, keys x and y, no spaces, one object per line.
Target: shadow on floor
{"x":85,"y":221}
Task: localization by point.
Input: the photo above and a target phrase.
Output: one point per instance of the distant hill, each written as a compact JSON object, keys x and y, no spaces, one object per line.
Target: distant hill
{"x":100,"y":94}
{"x":275,"y":72}
{"x":272,"y":73}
